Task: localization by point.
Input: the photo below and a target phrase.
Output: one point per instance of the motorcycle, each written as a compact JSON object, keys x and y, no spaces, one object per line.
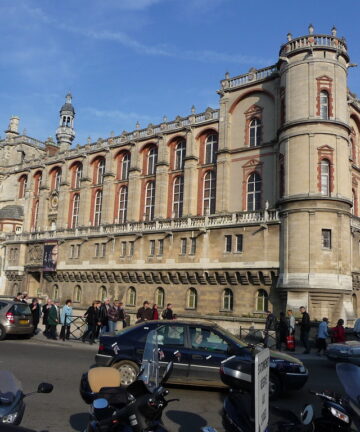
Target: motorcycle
{"x":12,"y":405}
{"x":139,"y":407}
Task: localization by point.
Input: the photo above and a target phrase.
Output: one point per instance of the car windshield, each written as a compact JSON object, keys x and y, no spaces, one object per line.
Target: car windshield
{"x":349,"y":376}
{"x":20,"y":309}
{"x":9,"y":386}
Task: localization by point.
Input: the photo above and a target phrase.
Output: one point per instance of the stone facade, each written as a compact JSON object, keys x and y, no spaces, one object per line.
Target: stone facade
{"x":223,"y":213}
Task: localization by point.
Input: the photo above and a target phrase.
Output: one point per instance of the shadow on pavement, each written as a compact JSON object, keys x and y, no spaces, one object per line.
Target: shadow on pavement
{"x":186,"y":420}
{"x":79,"y":421}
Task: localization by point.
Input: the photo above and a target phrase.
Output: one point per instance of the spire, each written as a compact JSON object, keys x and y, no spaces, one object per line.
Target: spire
{"x":65,"y":133}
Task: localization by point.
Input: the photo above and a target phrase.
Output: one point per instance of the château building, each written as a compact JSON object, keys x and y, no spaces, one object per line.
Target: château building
{"x":225,"y":213}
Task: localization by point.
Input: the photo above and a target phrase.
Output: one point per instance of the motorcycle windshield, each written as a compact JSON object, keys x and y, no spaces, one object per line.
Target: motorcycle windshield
{"x":9,"y":387}
{"x":150,"y":361}
{"x":349,"y":376}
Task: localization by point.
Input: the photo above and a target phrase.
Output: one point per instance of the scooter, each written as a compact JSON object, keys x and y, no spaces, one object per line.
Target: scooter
{"x":12,"y":404}
{"x":139,"y":407}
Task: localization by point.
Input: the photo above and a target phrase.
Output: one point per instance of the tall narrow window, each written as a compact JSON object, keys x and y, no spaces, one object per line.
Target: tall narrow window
{"x":77,"y":293}
{"x":228,"y":243}
{"x":150,"y":201}
{"x":324,"y":105}
{"x":100,"y":171}
{"x":254,"y":192}
{"x":125,"y":165}
{"x":227,"y":299}
{"x":209,"y":193}
{"x":326,"y":238}
{"x":75,"y":211}
{"x":183,"y":246}
{"x":262,"y":301}
{"x":239,"y":242}
{"x":103,"y":293}
{"x":123,"y":196}
{"x":160,"y":297}
{"x":131,"y":297}
{"x":152,"y":160}
{"x":98,"y":208}
{"x":152,"y":248}
{"x":57,"y":179}
{"x":35,"y":215}
{"x":180,"y":152}
{"x":77,"y":176}
{"x":325,"y":177}
{"x":255,"y":132}
{"x":211,"y":147}
{"x":192,"y":245}
{"x":191,"y":298}
{"x":37,"y":183}
{"x":22,"y":186}
{"x":178,"y":197}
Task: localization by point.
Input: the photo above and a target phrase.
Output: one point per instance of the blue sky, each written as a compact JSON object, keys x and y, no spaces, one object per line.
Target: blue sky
{"x":137,"y":60}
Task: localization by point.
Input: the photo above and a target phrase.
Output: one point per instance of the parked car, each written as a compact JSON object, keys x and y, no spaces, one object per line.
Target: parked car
{"x":198,"y":349}
{"x":15,"y":319}
{"x":344,"y":352}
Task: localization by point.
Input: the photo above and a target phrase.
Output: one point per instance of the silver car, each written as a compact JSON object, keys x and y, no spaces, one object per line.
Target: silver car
{"x":15,"y":319}
{"x":344,"y":352}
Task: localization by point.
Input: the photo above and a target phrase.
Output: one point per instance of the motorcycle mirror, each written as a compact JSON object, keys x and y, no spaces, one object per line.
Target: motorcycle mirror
{"x":45,"y":388}
{"x":167,"y":372}
{"x":307,"y":414}
{"x":100,"y":403}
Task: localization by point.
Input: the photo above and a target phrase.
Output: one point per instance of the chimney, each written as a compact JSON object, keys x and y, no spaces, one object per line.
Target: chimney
{"x":13,"y":129}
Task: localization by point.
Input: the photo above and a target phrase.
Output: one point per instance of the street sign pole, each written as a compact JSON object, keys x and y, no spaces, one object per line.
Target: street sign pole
{"x":261,"y":390}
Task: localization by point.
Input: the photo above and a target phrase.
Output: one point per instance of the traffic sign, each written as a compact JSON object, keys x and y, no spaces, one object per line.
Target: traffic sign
{"x":261,"y":394}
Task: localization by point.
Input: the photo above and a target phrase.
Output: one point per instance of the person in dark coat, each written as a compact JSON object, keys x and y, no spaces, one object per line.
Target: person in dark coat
{"x":45,"y":313}
{"x":282,"y":331}
{"x":104,"y":316}
{"x":53,"y":321}
{"x":122,"y":314}
{"x":144,"y":313}
{"x":155,"y":312}
{"x":18,"y":297}
{"x":93,"y":317}
{"x":270,"y":326}
{"x":168,"y":312}
{"x":35,"y":312}
{"x":305,"y":326}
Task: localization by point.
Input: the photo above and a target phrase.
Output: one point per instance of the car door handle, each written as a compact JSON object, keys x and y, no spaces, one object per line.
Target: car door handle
{"x":197,"y":357}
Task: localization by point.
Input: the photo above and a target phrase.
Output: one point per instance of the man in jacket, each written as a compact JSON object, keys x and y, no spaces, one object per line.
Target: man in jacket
{"x":65,"y":318}
{"x":270,"y":327}
{"x":45,"y":313}
{"x":104,"y":316}
{"x":53,"y":321}
{"x":144,"y":313}
{"x":305,"y":329}
{"x":168,"y":313}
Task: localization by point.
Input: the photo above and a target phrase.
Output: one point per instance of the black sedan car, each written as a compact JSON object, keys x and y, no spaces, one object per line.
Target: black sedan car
{"x":197,"y":349}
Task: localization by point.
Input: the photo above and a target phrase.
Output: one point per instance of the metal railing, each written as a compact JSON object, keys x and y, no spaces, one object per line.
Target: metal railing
{"x":256,"y":336}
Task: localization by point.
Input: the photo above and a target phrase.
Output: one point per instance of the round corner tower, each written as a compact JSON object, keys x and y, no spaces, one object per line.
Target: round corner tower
{"x":316,"y":193}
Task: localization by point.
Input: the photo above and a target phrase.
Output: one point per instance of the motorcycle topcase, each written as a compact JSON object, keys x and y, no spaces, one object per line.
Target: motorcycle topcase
{"x":236,"y":372}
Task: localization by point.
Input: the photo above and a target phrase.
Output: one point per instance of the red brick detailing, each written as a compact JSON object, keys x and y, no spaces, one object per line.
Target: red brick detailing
{"x":355,"y":195}
{"x":33,"y":210}
{"x":202,"y":172}
{"x":72,"y":169}
{"x":117,"y":200}
{"x":145,"y":151}
{"x":172,"y":148}
{"x":202,"y":140}
{"x":37,"y":177}
{"x":52,"y":174}
{"x":95,"y":164}
{"x":71,"y":197}
{"x":22,"y":180}
{"x":249,"y":168}
{"x":253,"y":112}
{"x":326,"y":153}
{"x":92,"y":204}
{"x":324,"y":83}
{"x":144,"y":183}
{"x":119,"y":159}
{"x":248,"y":93}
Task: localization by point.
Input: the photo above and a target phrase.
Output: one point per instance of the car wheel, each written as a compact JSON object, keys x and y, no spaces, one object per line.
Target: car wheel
{"x":275,"y":387}
{"x":128,"y":370}
{"x":2,"y":332}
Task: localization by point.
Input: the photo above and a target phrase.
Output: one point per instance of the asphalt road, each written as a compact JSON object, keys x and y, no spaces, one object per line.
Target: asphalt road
{"x":63,"y":410}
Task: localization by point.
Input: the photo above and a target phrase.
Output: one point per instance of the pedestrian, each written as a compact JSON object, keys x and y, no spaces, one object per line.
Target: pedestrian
{"x":168,"y":313}
{"x":282,"y":331}
{"x":92,"y":316}
{"x":322,"y":335}
{"x":104,"y":310}
{"x":25,"y":298}
{"x":338,"y":332}
{"x":45,"y":314}
{"x":357,"y":328}
{"x":113,"y":316}
{"x":18,"y":297}
{"x":122,"y":314}
{"x":155,"y":312}
{"x":53,"y":321}
{"x":305,"y":329}
{"x":144,"y":313}
{"x":291,"y":322}
{"x":65,"y":319}
{"x":35,"y":312}
{"x":270,"y":327}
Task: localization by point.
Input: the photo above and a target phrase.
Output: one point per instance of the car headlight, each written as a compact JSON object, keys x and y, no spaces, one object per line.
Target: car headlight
{"x":340,"y":415}
{"x":302,"y":369}
{"x":10,"y":418}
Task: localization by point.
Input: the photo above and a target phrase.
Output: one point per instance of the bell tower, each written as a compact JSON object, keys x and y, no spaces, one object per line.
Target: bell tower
{"x":65,"y":133}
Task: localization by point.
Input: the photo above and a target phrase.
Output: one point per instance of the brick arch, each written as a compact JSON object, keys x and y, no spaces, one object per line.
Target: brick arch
{"x":52,"y":174}
{"x":148,"y":145}
{"x":119,"y":157}
{"x":145,"y":150}
{"x":202,"y":137}
{"x":172,"y":144}
{"x":247,"y":94}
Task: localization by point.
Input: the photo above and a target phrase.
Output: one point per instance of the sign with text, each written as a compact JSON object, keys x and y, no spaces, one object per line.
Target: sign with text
{"x":261,"y":394}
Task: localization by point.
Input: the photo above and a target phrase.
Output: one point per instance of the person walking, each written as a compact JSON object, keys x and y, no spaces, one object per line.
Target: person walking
{"x":92,"y":316}
{"x":104,"y":317}
{"x":144,"y":313}
{"x":35,"y":312}
{"x":53,"y":321}
{"x":282,"y":331}
{"x":155,"y":312}
{"x":305,"y":329}
{"x":65,"y":319}
{"x":113,"y":316}
{"x":168,"y":313}
{"x":270,"y":326}
{"x":338,"y":332}
{"x":290,"y":339}
{"x":45,"y":314}
{"x":322,"y":335}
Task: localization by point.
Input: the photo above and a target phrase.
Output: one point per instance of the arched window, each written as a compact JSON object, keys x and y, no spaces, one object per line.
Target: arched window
{"x":209,"y":193}
{"x":325,"y":177}
{"x":211,"y":147}
{"x":125,"y":165}
{"x":160,"y":297}
{"x":324,"y":105}
{"x":123,"y":197}
{"x":180,"y":152}
{"x":152,"y":160}
{"x":354,"y":303}
{"x":22,"y":185}
{"x":178,"y":196}
{"x":35,"y":215}
{"x":102,"y":293}
{"x":97,"y":208}
{"x":254,"y":192}
{"x":227,"y":300}
{"x":77,"y":293}
{"x":75,"y":208}
{"x":131,"y":297}
{"x":150,"y":201}
{"x":100,"y":171}
{"x":255,"y":129}
{"x":56,"y":292}
{"x":77,"y":176}
{"x":37,"y":182}
{"x":262,"y":301}
{"x":191,"y":298}
{"x":57,"y":179}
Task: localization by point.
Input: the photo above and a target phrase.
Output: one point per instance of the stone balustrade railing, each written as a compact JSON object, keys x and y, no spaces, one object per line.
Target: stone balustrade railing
{"x":185,"y":223}
{"x":25,"y":139}
{"x":311,"y":40}
{"x":252,"y":76}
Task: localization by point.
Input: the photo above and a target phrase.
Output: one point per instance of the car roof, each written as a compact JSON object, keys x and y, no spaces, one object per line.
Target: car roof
{"x":181,"y":321}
